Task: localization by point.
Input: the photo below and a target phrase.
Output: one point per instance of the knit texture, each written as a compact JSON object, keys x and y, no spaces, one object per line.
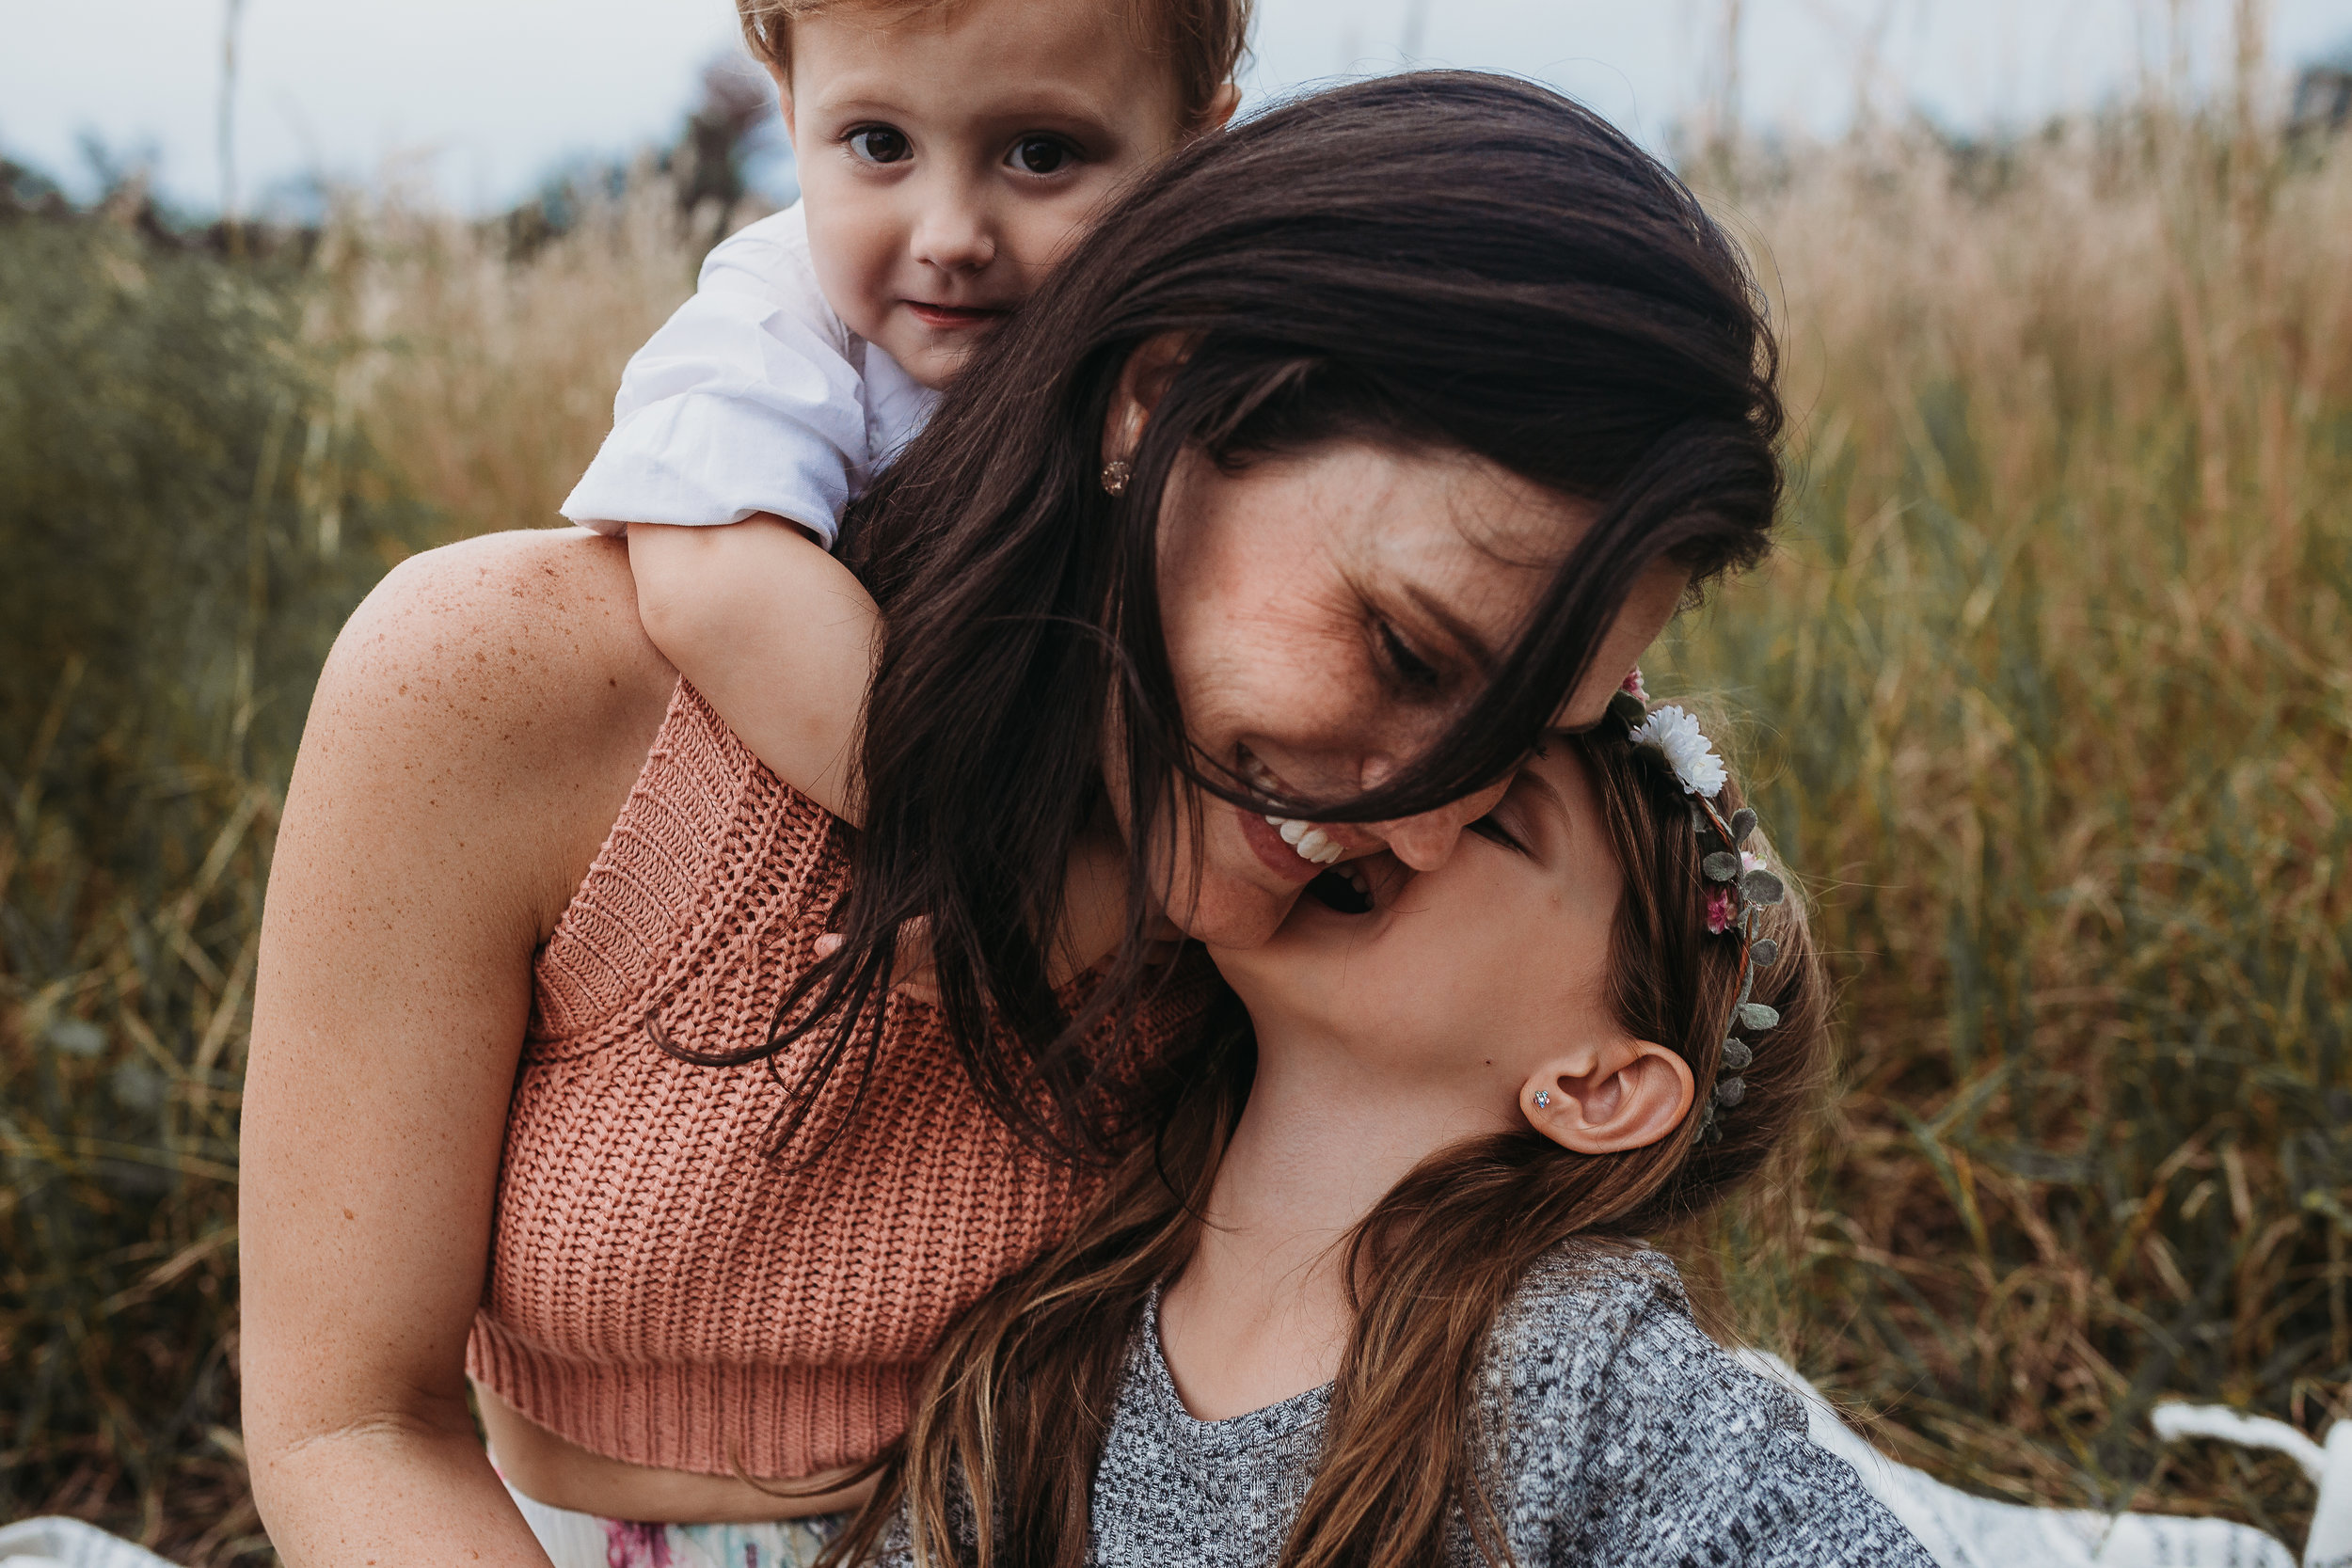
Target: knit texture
{"x":665,"y":1288}
{"x":1623,"y":1438}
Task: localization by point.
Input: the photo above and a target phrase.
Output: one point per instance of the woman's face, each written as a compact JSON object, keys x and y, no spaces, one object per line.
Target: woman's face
{"x":1466,"y":979}
{"x":1327,"y":616}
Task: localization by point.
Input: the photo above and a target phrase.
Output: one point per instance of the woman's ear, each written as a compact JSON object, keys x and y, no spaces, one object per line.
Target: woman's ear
{"x":1607,"y":1099}
{"x":1142,"y":385}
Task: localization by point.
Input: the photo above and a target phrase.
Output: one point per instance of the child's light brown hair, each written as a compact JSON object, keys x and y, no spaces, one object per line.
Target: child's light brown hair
{"x":1202,"y":41}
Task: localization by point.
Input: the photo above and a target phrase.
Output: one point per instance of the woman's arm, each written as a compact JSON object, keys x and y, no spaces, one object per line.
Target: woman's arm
{"x":474,"y":735}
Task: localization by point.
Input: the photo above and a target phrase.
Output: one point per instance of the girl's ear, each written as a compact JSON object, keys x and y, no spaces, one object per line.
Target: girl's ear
{"x":1608,"y":1098}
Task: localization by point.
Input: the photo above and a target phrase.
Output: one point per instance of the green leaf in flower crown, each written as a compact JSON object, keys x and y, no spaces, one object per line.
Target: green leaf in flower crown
{"x":1764,"y":952}
{"x":1742,"y":824}
{"x":1756,"y":1016}
{"x":1762,"y":887}
{"x":1730,"y":1092}
{"x":1628,"y":708}
{"x":1737,"y":1056}
{"x":1721,"y":867}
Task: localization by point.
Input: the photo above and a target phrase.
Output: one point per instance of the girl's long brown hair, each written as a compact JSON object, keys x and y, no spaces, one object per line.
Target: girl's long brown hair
{"x":1018,"y":1399}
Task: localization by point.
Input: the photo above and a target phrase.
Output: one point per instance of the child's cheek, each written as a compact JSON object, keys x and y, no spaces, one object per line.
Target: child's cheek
{"x":1054,"y":231}
{"x":852,"y":249}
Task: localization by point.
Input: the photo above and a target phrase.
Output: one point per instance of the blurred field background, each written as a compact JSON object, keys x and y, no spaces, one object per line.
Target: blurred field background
{"x":2051,"y":689}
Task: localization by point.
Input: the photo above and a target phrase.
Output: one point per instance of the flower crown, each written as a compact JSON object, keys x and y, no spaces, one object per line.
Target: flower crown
{"x":1739,"y":886}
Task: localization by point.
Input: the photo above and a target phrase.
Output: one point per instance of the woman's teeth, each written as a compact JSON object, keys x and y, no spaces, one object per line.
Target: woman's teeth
{"x":1314,"y":844}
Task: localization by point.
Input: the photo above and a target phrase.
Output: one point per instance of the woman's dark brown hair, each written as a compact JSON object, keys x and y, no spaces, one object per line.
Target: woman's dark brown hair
{"x":1014,"y":1406}
{"x":1444,"y":261}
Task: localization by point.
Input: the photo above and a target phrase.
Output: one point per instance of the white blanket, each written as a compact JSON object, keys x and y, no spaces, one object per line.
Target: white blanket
{"x":1959,"y":1529}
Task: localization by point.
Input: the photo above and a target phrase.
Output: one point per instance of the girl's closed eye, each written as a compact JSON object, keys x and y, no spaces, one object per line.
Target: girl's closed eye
{"x":879,"y":144}
{"x":1526,"y":818}
{"x":1495,"y":831}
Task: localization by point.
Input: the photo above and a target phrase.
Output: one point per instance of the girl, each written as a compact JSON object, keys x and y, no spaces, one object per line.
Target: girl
{"x":1378,"y":1294}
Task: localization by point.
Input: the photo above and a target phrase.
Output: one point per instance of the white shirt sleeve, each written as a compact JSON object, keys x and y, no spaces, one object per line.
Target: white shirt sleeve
{"x":753,"y":396}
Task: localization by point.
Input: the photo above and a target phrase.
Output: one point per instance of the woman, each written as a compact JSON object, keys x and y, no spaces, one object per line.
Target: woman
{"x":1343,"y":459}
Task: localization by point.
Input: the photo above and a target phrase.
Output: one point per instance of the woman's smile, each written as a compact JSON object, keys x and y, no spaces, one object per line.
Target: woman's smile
{"x":1265,"y":840}
{"x":1291,"y":846}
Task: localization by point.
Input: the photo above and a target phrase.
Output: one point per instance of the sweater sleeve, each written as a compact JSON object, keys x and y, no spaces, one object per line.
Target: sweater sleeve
{"x":1680,"y":1456}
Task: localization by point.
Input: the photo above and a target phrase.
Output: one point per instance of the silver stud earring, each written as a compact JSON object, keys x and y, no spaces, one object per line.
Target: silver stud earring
{"x":1543,"y":1099}
{"x":1115,"y":476}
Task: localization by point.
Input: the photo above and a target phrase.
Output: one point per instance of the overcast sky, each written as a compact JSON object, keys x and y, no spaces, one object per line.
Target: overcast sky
{"x":483,"y":97}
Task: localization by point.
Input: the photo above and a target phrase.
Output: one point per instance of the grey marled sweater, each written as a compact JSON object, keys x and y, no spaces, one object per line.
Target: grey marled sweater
{"x":1627,"y":1437}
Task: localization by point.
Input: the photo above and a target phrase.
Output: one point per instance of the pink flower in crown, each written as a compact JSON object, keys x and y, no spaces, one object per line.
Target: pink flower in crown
{"x":1722,"y":903}
{"x":1634,"y":687}
{"x":1721,"y":908}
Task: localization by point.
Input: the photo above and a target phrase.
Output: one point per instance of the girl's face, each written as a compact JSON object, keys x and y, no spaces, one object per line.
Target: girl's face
{"x":1327,"y":616}
{"x":1468,"y":977}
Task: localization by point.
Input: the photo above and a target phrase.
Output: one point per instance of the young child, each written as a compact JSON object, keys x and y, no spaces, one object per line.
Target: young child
{"x":948,"y":151}
{"x":1379,"y":1295}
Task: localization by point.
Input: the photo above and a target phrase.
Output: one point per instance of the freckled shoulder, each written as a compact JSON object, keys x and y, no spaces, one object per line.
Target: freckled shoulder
{"x":509,"y":675}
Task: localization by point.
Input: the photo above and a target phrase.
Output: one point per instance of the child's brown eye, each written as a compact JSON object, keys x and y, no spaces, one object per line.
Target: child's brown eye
{"x":880,"y":144}
{"x":1040,"y":156}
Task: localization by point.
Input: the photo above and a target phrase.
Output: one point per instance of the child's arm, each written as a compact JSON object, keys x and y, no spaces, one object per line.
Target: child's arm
{"x":778,"y":636}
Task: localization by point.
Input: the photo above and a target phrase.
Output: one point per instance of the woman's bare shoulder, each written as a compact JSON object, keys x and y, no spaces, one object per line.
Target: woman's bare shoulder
{"x":512,"y":619}
{"x":508,"y":673}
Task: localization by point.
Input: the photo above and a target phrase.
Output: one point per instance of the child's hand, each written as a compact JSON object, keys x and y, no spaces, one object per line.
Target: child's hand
{"x":776,"y":635}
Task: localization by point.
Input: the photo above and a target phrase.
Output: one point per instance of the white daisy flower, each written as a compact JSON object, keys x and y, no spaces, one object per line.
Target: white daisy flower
{"x":1687,"y":750}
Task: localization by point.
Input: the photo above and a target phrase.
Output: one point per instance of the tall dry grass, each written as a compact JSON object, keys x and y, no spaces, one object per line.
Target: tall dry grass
{"x":2053,"y":686}
{"x":184,"y":520}
{"x":203,"y":465}
{"x":2051,"y":689}
{"x":486,"y":365}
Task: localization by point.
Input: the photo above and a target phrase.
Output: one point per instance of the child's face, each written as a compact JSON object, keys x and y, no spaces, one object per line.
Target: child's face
{"x":949,"y":156}
{"x":1467,"y":977}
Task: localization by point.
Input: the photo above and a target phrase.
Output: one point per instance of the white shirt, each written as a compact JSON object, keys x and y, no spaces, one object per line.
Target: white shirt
{"x":754,"y":397}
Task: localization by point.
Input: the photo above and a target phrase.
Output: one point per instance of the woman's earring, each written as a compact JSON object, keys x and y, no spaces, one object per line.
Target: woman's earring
{"x":1543,"y":1099}
{"x":1115,"y":476}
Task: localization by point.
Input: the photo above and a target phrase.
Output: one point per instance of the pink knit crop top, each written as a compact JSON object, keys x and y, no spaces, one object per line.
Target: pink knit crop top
{"x":662,"y":1289}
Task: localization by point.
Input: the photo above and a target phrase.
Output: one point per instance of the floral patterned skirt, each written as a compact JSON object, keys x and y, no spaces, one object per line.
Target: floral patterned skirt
{"x":583,"y":1541}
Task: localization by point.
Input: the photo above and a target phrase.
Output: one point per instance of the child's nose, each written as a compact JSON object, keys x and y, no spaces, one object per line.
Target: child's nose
{"x":954,"y":233}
